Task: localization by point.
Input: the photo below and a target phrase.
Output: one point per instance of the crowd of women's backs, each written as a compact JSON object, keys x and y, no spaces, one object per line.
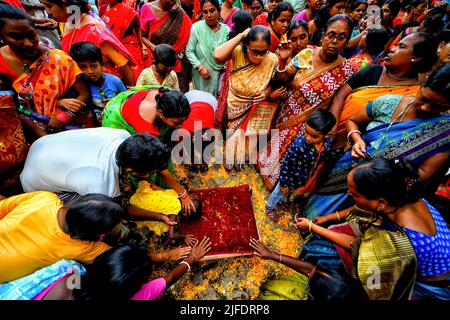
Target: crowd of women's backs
{"x":339,"y":76}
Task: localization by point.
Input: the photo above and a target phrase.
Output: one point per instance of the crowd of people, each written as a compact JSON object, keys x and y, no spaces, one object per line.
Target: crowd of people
{"x":92,"y":93}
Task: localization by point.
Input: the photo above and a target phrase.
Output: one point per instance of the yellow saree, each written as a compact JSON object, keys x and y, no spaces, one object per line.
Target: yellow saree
{"x":246,"y":81}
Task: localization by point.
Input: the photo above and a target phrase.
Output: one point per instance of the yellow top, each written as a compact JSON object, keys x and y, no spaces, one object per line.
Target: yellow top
{"x":31,"y":238}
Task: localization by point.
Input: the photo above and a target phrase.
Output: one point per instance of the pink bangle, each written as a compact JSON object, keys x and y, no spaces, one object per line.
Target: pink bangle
{"x":64,"y":117}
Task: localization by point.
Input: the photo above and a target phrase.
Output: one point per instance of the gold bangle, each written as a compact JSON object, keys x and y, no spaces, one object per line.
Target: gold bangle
{"x":280,"y":257}
{"x":337,"y":213}
{"x":310,"y":225}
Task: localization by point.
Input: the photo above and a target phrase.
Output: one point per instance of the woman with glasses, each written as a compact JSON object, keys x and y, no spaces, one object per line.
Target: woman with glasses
{"x":314,"y":75}
{"x":253,"y":68}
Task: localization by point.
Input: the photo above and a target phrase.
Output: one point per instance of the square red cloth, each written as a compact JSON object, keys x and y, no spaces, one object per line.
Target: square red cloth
{"x":227,"y":219}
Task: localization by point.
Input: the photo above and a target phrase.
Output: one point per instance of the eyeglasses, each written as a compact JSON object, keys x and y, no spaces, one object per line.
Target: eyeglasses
{"x":331,"y":36}
{"x":256,"y":53}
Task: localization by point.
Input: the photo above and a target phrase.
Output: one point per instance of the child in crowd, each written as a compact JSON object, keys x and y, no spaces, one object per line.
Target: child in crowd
{"x":304,"y":159}
{"x":103,"y":86}
{"x":161,"y":72}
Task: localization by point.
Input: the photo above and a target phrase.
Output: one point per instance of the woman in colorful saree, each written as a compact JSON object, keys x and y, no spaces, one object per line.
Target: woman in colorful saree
{"x":399,"y":75}
{"x":227,"y":12}
{"x":13,"y":146}
{"x":206,"y":35}
{"x":416,"y":129}
{"x":409,"y":236}
{"x":279,"y":21}
{"x":241,"y":21}
{"x":162,"y":21}
{"x":318,"y":73}
{"x":47,"y":80}
{"x":124,"y":23}
{"x":85,"y":28}
{"x":253,"y":68}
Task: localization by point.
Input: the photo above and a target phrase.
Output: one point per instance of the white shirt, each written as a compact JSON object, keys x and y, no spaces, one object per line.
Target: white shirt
{"x":81,"y":161}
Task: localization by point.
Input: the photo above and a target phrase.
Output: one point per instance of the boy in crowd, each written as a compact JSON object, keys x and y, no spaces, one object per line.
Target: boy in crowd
{"x":103,"y":86}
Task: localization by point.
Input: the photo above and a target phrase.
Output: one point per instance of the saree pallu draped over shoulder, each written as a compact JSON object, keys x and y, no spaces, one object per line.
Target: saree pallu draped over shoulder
{"x":49,"y":78}
{"x":311,"y":90}
{"x":246,"y":81}
{"x":173,"y":28}
{"x":120,"y":20}
{"x":98,"y":35}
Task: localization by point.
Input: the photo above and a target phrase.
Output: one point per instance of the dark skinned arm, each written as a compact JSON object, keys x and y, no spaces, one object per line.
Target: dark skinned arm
{"x":338,"y":103}
{"x":298,"y":265}
{"x":429,"y":166}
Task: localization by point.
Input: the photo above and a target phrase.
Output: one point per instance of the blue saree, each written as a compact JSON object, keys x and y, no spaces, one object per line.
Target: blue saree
{"x":415,"y":140}
{"x":28,"y":287}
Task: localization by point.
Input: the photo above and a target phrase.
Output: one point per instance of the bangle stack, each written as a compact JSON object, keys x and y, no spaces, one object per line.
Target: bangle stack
{"x":310,"y":225}
{"x":339,"y":218}
{"x":352,"y":132}
{"x":187,"y":264}
{"x":183,"y":195}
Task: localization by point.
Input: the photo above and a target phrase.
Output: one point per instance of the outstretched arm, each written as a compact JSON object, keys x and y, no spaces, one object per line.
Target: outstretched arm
{"x":198,"y":252}
{"x":344,"y":240}
{"x":142,"y":214}
{"x":296,"y":264}
{"x":186,"y":202}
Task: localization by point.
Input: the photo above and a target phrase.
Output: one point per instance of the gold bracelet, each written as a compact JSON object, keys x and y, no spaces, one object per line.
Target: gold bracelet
{"x":280,"y":257}
{"x":310,"y":225}
{"x":339,"y":218}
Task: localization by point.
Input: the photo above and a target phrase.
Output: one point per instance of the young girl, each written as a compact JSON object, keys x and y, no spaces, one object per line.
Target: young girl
{"x":161,"y":72}
{"x":303,"y":160}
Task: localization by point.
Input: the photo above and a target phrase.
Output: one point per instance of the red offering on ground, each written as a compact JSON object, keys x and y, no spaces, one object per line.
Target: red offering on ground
{"x":227,"y":219}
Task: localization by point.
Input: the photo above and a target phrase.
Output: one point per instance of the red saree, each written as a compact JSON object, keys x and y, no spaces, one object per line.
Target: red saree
{"x":13,"y":147}
{"x":274,"y":43}
{"x":98,"y":35}
{"x":173,"y":28}
{"x":120,"y":19}
{"x":309,"y":91}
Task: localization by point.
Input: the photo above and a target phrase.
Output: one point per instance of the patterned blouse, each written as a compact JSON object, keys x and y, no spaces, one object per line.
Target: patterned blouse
{"x":301,"y":162}
{"x":433,"y":252}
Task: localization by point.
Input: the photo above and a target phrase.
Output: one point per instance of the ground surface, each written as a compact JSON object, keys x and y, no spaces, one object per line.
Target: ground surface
{"x":235,"y":278}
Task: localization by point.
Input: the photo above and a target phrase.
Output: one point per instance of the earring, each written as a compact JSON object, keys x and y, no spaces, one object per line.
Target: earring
{"x":378,"y":208}
{"x":412,"y":60}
